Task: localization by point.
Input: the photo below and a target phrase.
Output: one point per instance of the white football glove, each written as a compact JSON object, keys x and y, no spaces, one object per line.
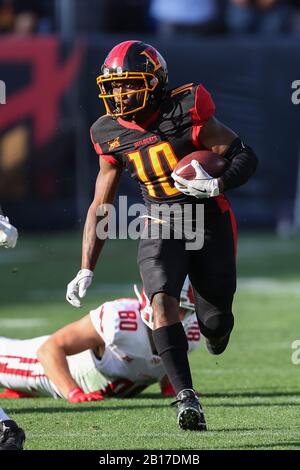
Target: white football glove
{"x":203,"y":186}
{"x":77,"y":288}
{"x":8,"y":233}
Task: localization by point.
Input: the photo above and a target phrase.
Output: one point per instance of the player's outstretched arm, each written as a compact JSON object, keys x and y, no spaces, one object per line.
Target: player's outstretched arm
{"x":105,"y":191}
{"x":71,"y":339}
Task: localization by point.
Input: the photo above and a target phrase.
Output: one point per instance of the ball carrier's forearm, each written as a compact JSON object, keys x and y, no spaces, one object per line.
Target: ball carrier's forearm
{"x":91,"y":244}
{"x":105,"y":191}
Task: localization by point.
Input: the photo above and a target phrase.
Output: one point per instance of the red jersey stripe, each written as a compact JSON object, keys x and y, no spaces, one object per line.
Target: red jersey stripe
{"x":23,"y":360}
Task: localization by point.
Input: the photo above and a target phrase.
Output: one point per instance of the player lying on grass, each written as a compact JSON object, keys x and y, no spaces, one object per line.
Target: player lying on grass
{"x":108,"y":352}
{"x":11,"y":436}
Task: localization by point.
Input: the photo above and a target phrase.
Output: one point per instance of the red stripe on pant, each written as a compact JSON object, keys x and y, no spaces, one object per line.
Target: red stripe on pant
{"x":224,"y":206}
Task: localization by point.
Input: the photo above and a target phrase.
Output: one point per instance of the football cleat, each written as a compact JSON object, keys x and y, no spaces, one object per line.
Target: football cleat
{"x":217,"y":345}
{"x":11,"y":436}
{"x":190,"y":415}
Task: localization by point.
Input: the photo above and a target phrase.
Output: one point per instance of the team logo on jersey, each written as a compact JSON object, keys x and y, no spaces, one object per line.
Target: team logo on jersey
{"x":154,"y":58}
{"x":112,"y":144}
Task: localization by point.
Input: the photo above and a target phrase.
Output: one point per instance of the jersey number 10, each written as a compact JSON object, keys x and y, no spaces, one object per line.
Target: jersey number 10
{"x":154,"y":152}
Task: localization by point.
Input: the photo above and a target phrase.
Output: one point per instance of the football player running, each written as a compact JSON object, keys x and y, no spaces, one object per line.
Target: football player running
{"x":108,"y":352}
{"x":11,"y":436}
{"x":148,"y":129}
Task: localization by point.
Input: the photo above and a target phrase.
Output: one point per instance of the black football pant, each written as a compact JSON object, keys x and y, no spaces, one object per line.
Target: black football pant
{"x":164,"y":265}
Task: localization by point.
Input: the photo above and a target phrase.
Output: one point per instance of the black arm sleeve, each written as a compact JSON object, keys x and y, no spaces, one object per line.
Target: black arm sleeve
{"x":243,"y":163}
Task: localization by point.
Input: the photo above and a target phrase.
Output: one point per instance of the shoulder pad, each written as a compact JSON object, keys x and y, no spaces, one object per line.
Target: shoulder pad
{"x":183,"y":89}
{"x":193,"y":98}
{"x":103,"y":130}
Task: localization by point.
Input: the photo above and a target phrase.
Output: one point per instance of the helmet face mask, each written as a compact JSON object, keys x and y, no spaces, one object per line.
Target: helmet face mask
{"x":114,"y":102}
{"x":141,"y":74}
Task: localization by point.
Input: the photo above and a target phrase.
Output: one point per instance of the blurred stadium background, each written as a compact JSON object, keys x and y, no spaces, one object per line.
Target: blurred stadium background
{"x":247,"y":54}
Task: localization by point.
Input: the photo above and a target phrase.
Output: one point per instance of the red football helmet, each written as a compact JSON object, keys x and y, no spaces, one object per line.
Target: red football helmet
{"x":187,"y":302}
{"x":140,"y":65}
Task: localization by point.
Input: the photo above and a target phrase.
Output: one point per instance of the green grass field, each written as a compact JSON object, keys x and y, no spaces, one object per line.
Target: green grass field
{"x":251,"y":394}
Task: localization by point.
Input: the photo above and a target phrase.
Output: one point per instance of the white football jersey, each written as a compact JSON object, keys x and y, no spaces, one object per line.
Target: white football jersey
{"x":127,"y":366}
{"x":128,"y":360}
{"x":21,"y":370}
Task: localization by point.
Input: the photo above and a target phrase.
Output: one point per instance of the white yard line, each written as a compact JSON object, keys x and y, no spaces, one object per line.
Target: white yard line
{"x":259,"y":285}
{"x":268,"y":286}
{"x":114,"y":290}
{"x":22,"y":322}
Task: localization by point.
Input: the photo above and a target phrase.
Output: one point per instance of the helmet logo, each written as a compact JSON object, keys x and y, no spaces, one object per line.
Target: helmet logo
{"x":153,"y":57}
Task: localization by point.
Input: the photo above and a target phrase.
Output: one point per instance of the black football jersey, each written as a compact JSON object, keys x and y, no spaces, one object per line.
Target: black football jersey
{"x":150,"y":153}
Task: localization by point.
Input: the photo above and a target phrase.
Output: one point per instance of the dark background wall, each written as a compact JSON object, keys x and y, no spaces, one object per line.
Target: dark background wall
{"x":249,"y":80}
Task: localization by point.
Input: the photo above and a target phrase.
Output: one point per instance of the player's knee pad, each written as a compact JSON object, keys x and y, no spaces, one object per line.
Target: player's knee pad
{"x":216,"y":323}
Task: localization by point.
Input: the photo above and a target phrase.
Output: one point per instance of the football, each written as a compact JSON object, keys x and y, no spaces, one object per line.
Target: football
{"x":212,"y":163}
